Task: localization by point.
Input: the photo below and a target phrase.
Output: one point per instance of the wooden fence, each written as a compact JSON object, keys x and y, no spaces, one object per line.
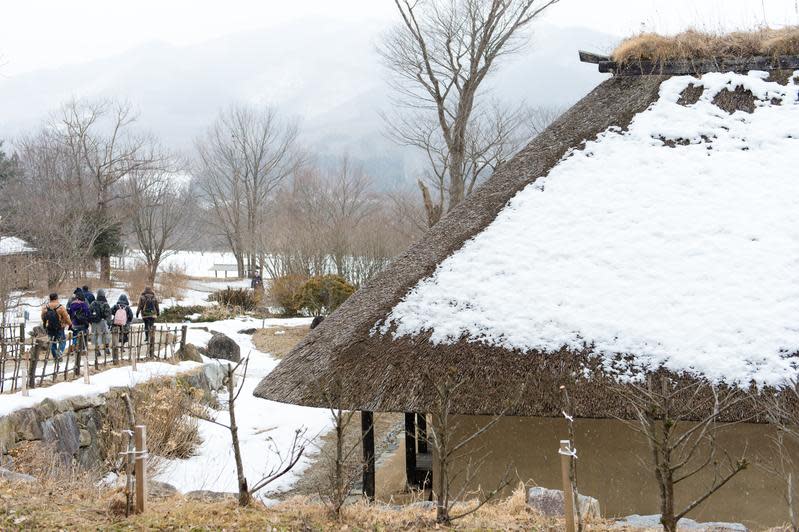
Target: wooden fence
{"x":41,"y":361}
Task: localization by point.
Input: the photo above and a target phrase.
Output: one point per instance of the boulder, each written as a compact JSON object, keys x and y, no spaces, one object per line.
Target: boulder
{"x":13,"y":476}
{"x":63,"y":432}
{"x":653,"y":521}
{"x":161,"y":489}
{"x":7,"y":435}
{"x":224,"y":347}
{"x":26,"y":424}
{"x":189,"y":353}
{"x":247,"y":331}
{"x":550,"y":503}
{"x":215,"y":375}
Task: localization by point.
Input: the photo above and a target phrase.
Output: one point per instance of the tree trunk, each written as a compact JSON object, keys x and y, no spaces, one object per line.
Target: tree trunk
{"x":105,"y":269}
{"x":244,"y":491}
{"x":152,"y":271}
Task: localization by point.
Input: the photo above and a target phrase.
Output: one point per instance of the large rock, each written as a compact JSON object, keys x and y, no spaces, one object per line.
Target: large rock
{"x":550,"y":503}
{"x":189,"y":353}
{"x":63,"y":432}
{"x":26,"y":424}
{"x":205,"y":495}
{"x":13,"y":476}
{"x":224,"y":347}
{"x":653,"y":522}
{"x":161,"y":489}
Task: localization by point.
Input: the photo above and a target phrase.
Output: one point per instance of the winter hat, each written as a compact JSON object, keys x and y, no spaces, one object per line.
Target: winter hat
{"x":101,"y":295}
{"x":123,"y":299}
{"x":79,"y":296}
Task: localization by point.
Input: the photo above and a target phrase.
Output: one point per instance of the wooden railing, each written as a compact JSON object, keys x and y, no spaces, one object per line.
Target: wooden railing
{"x":38,"y":361}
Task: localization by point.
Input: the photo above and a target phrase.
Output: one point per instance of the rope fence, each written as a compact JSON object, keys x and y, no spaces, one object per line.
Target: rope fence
{"x":39,"y":361}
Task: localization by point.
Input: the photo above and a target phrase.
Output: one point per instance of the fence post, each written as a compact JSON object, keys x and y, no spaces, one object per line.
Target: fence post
{"x":566,"y":456}
{"x":26,"y":365}
{"x":115,"y":345}
{"x":140,"y":435}
{"x":23,"y":359}
{"x":183,"y":330}
{"x":86,"y":369}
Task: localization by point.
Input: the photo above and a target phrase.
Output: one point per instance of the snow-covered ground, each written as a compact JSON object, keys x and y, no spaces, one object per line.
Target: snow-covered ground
{"x":193,"y":263}
{"x":685,"y":257}
{"x":213,"y":468}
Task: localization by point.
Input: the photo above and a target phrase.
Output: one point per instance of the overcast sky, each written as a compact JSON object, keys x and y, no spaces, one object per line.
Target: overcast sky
{"x":47,"y":33}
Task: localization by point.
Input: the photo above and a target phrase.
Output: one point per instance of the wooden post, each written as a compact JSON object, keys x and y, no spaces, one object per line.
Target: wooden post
{"x":140,"y":435}
{"x":568,"y":495}
{"x":133,"y":358}
{"x":115,"y":332}
{"x":410,"y":449}
{"x":86,"y":369}
{"x":368,"y":439}
{"x":183,"y":331}
{"x":23,"y":359}
{"x":27,"y":367}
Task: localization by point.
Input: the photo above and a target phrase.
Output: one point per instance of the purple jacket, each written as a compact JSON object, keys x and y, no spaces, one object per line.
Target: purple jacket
{"x":79,"y":312}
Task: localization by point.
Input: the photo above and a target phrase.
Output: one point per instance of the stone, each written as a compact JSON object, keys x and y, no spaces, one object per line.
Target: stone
{"x":247,"y":331}
{"x":223,"y":347}
{"x":206,"y":495}
{"x":13,"y":476}
{"x":8,"y":437}
{"x":26,"y":424}
{"x":550,"y":503}
{"x":84,"y":438}
{"x":653,"y":521}
{"x":189,"y":353}
{"x":215,"y":375}
{"x":47,"y":408}
{"x":62,"y":430}
{"x":161,"y":489}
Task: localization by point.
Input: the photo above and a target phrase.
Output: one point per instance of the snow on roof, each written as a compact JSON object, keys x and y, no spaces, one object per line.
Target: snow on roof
{"x":684,"y":255}
{"x":11,"y":245}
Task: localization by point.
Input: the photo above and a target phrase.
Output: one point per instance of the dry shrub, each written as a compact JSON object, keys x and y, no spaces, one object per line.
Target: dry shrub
{"x":241,"y":298}
{"x":163,"y":406}
{"x":135,"y":280}
{"x":286,"y":292}
{"x":694,"y":44}
{"x":173,"y":282}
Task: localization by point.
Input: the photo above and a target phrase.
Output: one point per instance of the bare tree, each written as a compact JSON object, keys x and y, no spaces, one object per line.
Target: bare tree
{"x":158,"y":211}
{"x":440,"y":55}
{"x":243,"y":157}
{"x":680,"y":422}
{"x":285,"y":461}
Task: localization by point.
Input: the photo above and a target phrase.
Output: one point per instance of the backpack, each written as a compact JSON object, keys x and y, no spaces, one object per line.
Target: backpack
{"x":96,"y":309}
{"x":149,"y":304}
{"x":51,"y":320}
{"x":80,"y":316}
{"x":121,"y":316}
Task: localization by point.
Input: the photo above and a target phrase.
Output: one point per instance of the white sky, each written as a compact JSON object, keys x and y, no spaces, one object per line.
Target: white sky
{"x":47,"y":33}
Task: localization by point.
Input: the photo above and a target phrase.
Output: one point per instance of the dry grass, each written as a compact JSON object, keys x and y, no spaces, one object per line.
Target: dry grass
{"x":173,"y":282}
{"x":80,"y":505}
{"x":694,"y":44}
{"x":278,"y":341}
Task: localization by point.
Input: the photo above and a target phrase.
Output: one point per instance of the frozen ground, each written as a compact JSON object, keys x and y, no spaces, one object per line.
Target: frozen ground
{"x":685,"y":256}
{"x":213,"y":468}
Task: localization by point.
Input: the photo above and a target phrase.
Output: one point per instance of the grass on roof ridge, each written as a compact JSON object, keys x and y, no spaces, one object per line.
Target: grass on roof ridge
{"x":695,"y":44}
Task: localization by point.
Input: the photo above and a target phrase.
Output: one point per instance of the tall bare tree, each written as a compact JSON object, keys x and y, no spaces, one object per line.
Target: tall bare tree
{"x":440,"y":55}
{"x":243,"y":157}
{"x":158,"y":210}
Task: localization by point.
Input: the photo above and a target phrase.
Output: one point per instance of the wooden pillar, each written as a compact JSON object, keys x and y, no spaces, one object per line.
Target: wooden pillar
{"x":410,"y":449}
{"x":368,"y":438}
{"x":140,"y":436}
{"x":183,"y":331}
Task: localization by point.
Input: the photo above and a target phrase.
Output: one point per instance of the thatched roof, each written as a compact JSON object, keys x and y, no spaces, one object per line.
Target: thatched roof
{"x":370,"y":370}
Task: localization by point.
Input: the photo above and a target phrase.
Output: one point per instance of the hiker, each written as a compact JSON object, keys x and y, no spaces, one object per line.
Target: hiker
{"x":55,"y":319}
{"x":120,"y":323}
{"x":100,"y":319}
{"x":74,"y":296}
{"x":89,"y":295}
{"x":149,"y":311}
{"x":79,"y":311}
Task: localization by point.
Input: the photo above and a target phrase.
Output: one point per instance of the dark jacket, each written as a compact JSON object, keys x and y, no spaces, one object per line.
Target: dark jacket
{"x":88,"y":296}
{"x":148,"y":297}
{"x":122,"y":302}
{"x":101,"y":311}
{"x":63,"y":316}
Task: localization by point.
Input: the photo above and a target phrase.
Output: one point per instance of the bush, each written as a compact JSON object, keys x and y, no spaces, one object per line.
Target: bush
{"x":243,"y":298}
{"x":173,"y":282}
{"x":323,"y":295}
{"x":286,"y":292}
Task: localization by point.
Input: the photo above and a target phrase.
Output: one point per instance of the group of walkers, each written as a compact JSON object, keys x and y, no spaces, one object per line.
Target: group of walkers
{"x":90,"y":317}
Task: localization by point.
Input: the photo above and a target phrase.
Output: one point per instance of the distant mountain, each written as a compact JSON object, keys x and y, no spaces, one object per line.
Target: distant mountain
{"x":326,"y":74}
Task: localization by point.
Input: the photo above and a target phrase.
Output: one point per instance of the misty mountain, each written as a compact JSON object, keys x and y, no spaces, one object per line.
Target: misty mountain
{"x":325,"y":74}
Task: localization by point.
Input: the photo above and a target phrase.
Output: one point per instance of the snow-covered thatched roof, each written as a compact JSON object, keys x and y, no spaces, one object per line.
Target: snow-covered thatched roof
{"x":11,"y":245}
{"x":652,"y":228}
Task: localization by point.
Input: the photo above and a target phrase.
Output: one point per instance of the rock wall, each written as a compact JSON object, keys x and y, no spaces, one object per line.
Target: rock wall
{"x":73,"y":426}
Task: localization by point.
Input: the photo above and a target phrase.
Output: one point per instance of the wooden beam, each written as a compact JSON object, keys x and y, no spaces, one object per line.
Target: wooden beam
{"x":699,"y":66}
{"x":410,"y":449}
{"x":368,"y":438}
{"x":590,"y":57}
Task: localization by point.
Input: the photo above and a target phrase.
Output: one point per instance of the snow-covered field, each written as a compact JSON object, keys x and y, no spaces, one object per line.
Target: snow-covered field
{"x":194,"y":263}
{"x":685,"y":257}
{"x":213,"y":468}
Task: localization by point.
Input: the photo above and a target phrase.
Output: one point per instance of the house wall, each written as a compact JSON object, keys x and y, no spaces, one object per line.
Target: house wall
{"x":613,"y":466}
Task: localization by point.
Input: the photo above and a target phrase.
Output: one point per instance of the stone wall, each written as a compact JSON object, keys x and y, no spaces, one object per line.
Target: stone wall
{"x":73,"y":426}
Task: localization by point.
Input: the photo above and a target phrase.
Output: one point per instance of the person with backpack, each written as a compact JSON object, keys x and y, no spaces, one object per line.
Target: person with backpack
{"x":122,"y":316}
{"x":100,"y":317}
{"x":88,"y":294}
{"x":54,"y":320}
{"x":80,"y":313}
{"x":149,"y":311}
